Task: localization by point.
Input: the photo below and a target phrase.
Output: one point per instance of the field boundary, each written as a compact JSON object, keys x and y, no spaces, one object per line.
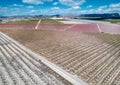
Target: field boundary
{"x":65,"y":29}
{"x":36,"y":27}
{"x":71,"y":78}
{"x":99,"y":28}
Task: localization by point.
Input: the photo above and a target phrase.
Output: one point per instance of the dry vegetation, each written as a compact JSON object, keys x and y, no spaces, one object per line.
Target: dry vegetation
{"x":93,"y":57}
{"x":50,"y":21}
{"x":31,"y":21}
{"x":34,"y":21}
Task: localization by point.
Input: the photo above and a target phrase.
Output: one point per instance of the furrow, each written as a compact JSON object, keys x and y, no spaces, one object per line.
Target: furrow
{"x":80,"y":56}
{"x":60,"y":51}
{"x":13,"y":74}
{"x":4,"y":73}
{"x":110,"y":77}
{"x":70,"y":53}
{"x":38,"y":66}
{"x":102,"y":54}
{"x":104,"y":72}
{"x":18,"y":50}
{"x":14,"y":57}
{"x":18,"y":55}
{"x":116,"y":80}
{"x":24,"y":76}
{"x":18,"y":69}
{"x":1,"y":80}
{"x":11,"y":69}
{"x":96,"y":67}
{"x":111,"y":73}
{"x":102,"y":67}
{"x":87,"y":58}
{"x":31,"y":74}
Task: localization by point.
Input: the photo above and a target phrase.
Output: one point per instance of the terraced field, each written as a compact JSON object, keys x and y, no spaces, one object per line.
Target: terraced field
{"x":19,"y":67}
{"x":93,"y":57}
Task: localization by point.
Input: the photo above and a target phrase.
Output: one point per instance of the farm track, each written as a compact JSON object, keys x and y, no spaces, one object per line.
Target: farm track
{"x":19,"y":67}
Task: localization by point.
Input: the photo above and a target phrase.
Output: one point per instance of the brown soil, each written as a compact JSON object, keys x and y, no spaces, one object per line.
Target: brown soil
{"x":93,"y":57}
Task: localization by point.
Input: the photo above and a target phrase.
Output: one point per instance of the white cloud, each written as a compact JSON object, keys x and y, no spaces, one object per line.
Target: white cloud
{"x":18,"y":5}
{"x":72,"y":2}
{"x":9,"y":11}
{"x":103,"y":7}
{"x":46,"y":0}
{"x":115,"y":5}
{"x":76,"y":7}
{"x":112,"y":8}
{"x":62,"y":11}
{"x":55,"y":8}
{"x":32,"y":1}
{"x":30,"y":7}
{"x":33,"y":11}
{"x":91,"y":10}
{"x":55,"y":3}
{"x":36,"y":1}
{"x":73,"y":9}
{"x":89,"y":6}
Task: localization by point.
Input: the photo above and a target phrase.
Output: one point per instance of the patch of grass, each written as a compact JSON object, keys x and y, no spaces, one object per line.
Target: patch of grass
{"x":62,"y":19}
{"x":111,"y":20}
{"x":31,"y":21}
{"x":50,"y":21}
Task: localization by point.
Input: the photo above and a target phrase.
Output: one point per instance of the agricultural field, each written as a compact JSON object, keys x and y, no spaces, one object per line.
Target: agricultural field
{"x":21,"y":67}
{"x":93,"y":57}
{"x":44,"y":24}
{"x":110,"y":28}
{"x":59,"y":27}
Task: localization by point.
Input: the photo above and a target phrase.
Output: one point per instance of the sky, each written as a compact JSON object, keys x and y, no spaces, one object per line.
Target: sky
{"x":51,"y":7}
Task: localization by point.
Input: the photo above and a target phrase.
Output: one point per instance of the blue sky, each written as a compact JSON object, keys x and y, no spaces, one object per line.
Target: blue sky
{"x":50,"y":7}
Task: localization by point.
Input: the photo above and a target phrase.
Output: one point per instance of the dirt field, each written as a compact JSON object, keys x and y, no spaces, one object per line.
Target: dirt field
{"x":59,"y":27}
{"x":93,"y":57}
{"x":84,"y":28}
{"x":110,"y":28}
{"x":54,"y":24}
{"x":19,"y":66}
